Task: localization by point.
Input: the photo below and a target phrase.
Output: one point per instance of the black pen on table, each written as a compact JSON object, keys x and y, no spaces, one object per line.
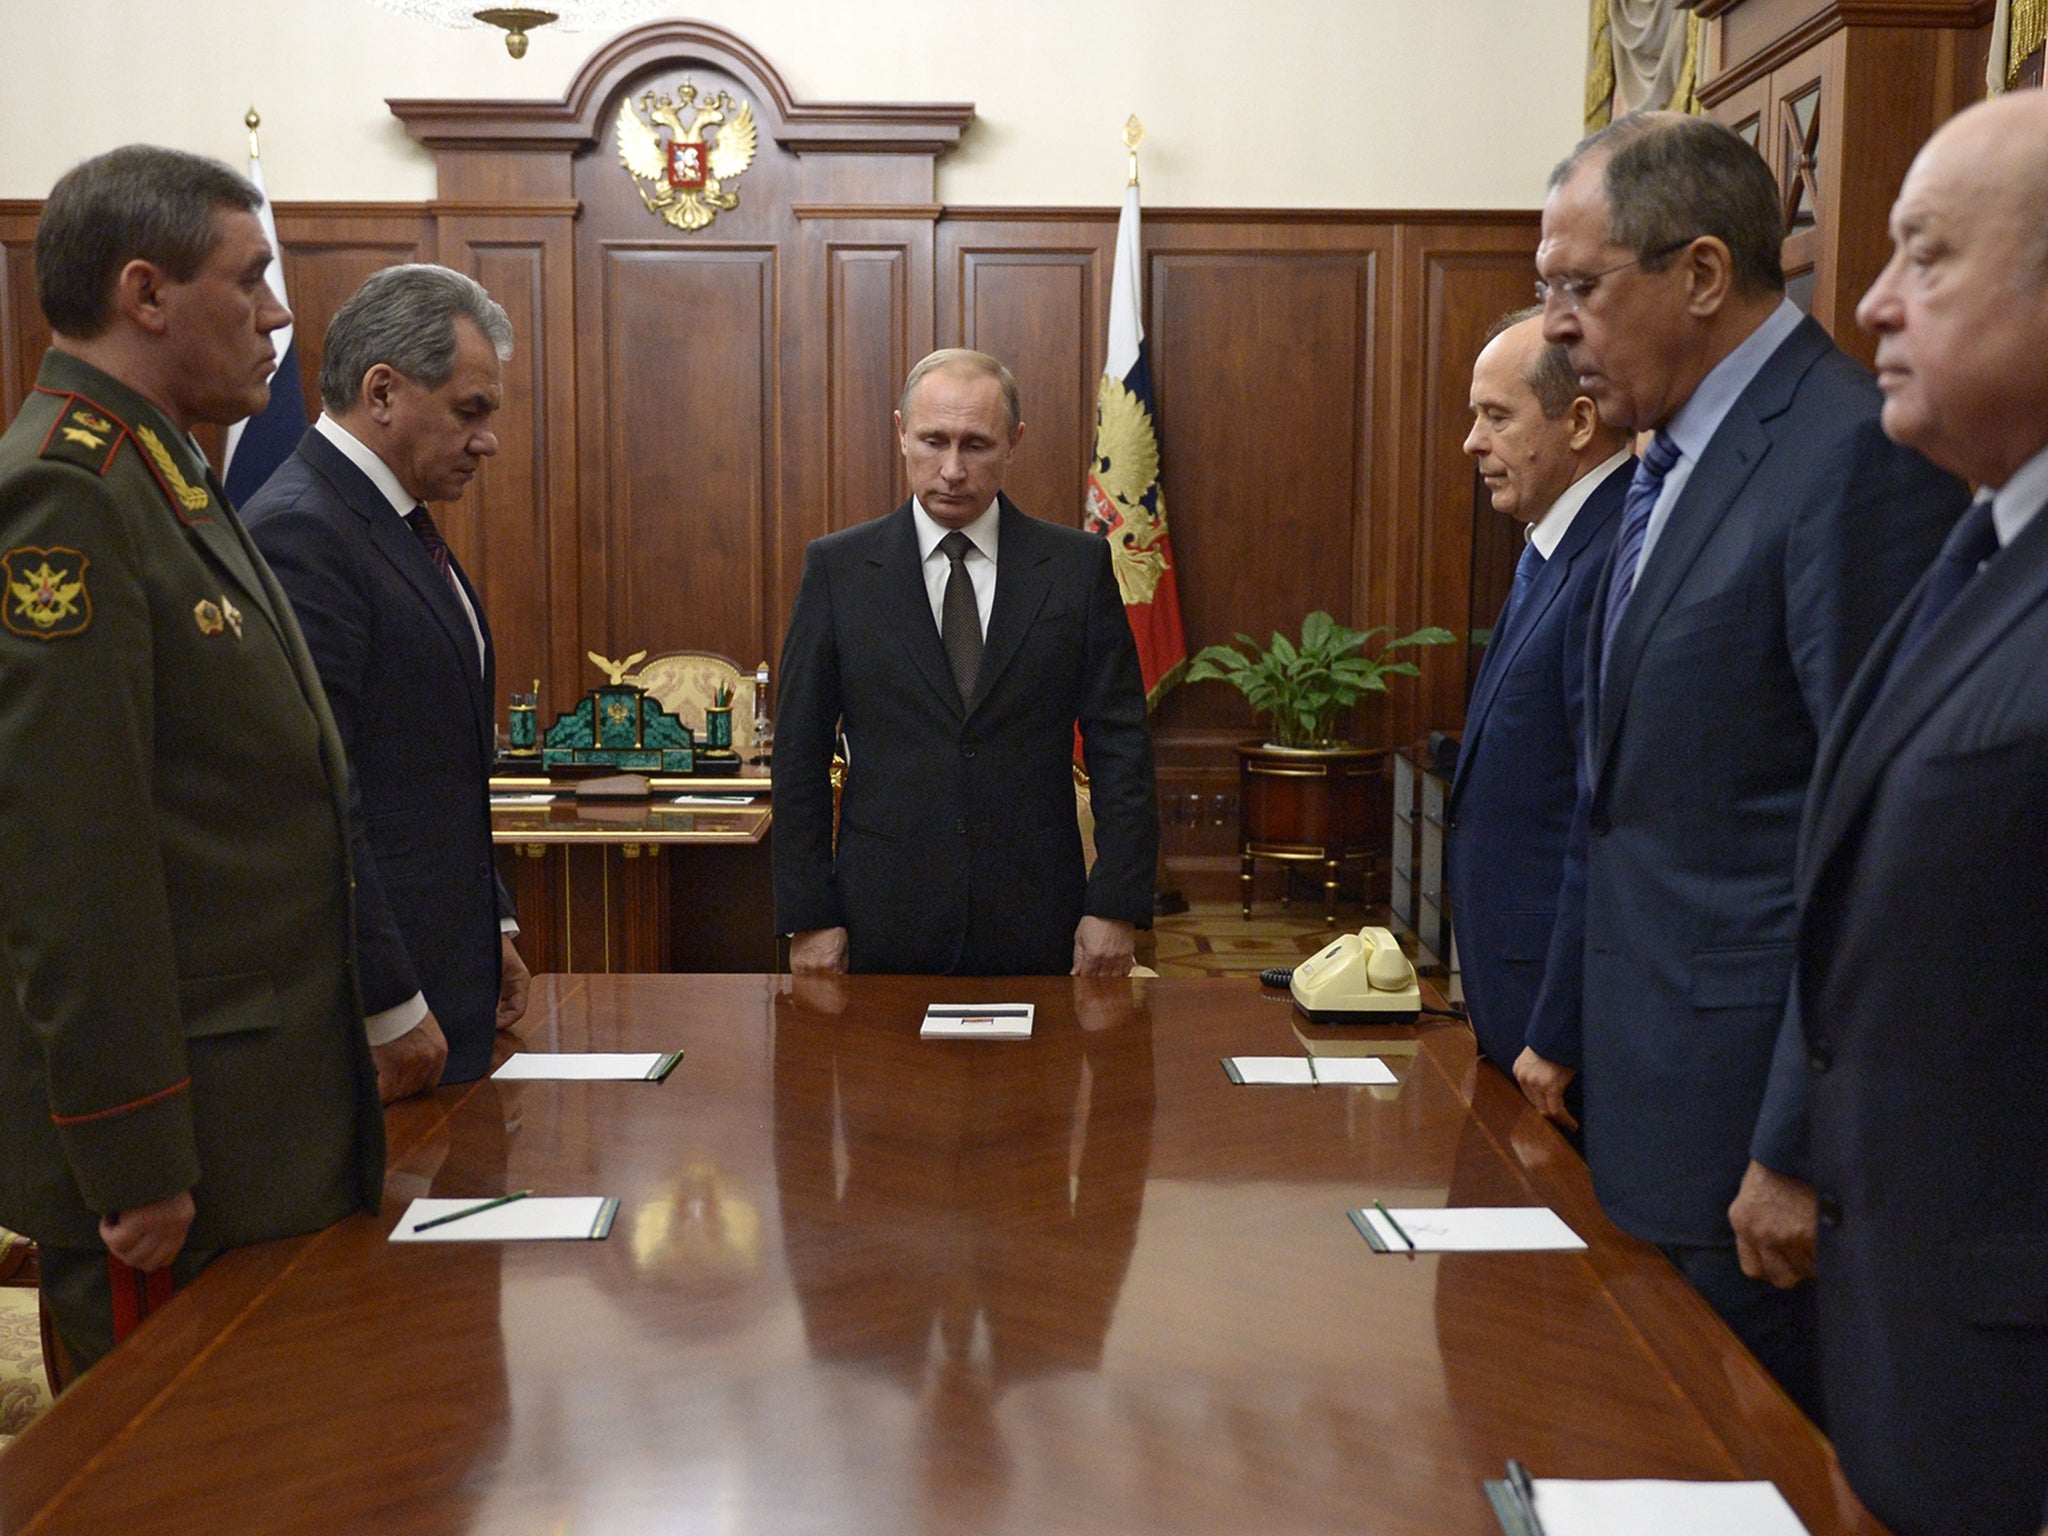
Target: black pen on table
{"x":1525,"y":1494}
{"x":488,"y":1205}
{"x":1398,"y":1232}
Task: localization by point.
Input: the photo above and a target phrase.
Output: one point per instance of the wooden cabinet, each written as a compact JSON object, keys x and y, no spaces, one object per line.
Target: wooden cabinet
{"x":1838,"y":97}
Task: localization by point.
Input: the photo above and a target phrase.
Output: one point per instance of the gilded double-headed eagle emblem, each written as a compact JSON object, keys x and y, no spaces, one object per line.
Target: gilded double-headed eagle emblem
{"x":683,"y":180}
{"x":1125,"y":500}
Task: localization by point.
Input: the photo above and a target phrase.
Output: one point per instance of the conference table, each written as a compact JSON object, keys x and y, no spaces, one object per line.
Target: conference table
{"x":861,"y":1281}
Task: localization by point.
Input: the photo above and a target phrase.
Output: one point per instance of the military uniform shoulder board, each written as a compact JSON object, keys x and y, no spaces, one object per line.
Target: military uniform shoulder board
{"x":83,"y":434}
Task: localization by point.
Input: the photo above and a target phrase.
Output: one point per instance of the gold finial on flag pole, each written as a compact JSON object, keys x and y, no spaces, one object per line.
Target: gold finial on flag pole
{"x":251,"y":121}
{"x":1134,"y":135}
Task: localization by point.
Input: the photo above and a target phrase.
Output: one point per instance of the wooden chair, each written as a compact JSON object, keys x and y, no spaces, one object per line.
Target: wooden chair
{"x":685,"y":682}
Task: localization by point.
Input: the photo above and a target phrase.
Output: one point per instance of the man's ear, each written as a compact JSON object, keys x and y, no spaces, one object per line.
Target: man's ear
{"x":1585,"y":419}
{"x":375,"y":395}
{"x":139,"y":296}
{"x":1710,"y":275}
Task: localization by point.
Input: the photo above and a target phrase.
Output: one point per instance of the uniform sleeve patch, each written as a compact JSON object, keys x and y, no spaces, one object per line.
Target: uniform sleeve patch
{"x":83,"y":436}
{"x":45,"y":596}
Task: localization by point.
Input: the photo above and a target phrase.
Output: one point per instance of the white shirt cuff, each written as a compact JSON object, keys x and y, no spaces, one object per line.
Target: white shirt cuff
{"x":385,"y":1027}
{"x":509,"y":926}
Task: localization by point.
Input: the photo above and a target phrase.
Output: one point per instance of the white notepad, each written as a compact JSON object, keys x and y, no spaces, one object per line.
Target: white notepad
{"x":1568,"y":1507}
{"x":1305,"y":1071}
{"x":568,"y":1218}
{"x":1468,"y":1229}
{"x":589,"y":1066}
{"x":516,"y":797}
{"x":978,"y":1021}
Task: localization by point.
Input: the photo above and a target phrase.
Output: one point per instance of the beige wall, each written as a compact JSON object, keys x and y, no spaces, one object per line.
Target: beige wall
{"x":1286,"y":103}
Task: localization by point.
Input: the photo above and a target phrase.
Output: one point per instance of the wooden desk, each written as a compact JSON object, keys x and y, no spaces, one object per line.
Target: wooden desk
{"x":641,"y":885}
{"x":865,"y":1283}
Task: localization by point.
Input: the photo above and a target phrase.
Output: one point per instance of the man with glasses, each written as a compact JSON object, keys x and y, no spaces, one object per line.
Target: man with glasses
{"x":1770,"y":530}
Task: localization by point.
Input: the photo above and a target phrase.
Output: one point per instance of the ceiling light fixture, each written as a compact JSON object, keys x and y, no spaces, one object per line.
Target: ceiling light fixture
{"x":516,"y":20}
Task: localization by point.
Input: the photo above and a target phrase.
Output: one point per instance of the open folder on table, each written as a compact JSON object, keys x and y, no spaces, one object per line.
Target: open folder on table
{"x":559,"y":1218}
{"x":1335,"y":1071}
{"x":588,"y":1066}
{"x":978,"y":1021}
{"x":1628,"y":1507}
{"x":1466,"y":1229}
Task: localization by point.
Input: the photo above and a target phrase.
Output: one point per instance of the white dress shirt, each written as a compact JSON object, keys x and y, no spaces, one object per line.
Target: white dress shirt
{"x":979,"y":562}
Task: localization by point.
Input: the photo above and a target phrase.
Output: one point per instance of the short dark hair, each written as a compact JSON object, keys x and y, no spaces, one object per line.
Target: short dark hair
{"x":976,"y":362}
{"x":1551,"y":377}
{"x":404,"y":317}
{"x":136,"y":203}
{"x":1670,"y":179}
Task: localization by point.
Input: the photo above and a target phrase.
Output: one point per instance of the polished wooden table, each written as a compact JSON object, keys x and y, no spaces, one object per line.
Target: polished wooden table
{"x":861,"y":1282}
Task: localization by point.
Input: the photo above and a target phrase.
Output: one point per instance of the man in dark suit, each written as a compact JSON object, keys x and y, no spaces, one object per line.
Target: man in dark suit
{"x":1551,"y":463}
{"x":182,"y":1061}
{"x":956,"y":644}
{"x":410,"y":380}
{"x":1923,"y":889}
{"x":1769,"y":532}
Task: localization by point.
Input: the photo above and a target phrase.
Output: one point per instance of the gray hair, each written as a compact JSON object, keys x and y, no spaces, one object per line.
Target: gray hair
{"x":1551,"y":377}
{"x":1670,"y":179}
{"x":979,"y":362}
{"x":136,"y":203}
{"x":404,"y":317}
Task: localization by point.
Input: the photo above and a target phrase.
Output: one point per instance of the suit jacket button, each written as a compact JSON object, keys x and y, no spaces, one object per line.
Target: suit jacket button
{"x":1830,"y":1211}
{"x":960,"y":825}
{"x":1820,"y":1058}
{"x":967,"y":752}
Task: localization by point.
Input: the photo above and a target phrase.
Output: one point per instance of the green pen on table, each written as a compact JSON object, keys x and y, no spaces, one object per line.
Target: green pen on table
{"x":488,"y":1205}
{"x":1398,"y":1232}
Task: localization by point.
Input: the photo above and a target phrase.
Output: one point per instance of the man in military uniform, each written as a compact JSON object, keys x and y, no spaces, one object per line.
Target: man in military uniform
{"x":183,"y":1066}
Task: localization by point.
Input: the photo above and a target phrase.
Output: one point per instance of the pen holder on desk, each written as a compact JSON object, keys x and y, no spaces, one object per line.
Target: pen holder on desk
{"x":522,"y":734}
{"x":718,"y":728}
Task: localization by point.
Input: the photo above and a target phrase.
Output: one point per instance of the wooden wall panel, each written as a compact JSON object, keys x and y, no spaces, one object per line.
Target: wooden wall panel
{"x":23,"y":335}
{"x":688,"y":378}
{"x":867,"y":302}
{"x":1038,"y":304}
{"x":328,"y":250}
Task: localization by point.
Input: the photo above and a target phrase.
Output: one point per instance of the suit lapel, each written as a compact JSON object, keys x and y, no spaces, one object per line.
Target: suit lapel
{"x":1544,"y":590}
{"x":1882,"y":712}
{"x":907,"y":605}
{"x":1023,"y":577}
{"x":1730,"y":458}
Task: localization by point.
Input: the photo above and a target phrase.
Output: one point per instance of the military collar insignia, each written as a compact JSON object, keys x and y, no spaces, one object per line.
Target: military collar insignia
{"x":45,"y":596}
{"x":185,"y":496}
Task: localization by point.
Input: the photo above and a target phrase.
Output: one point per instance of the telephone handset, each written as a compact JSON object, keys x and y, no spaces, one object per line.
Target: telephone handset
{"x":1358,"y":978}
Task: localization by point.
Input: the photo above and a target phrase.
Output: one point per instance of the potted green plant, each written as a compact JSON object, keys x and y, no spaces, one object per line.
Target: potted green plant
{"x":1304,"y":687}
{"x":1303,"y":798}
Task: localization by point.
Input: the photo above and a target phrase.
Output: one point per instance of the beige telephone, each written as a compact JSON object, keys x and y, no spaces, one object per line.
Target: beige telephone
{"x":1360,"y":978}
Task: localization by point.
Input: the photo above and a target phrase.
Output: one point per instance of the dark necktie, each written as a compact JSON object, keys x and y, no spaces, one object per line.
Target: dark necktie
{"x":421,"y":522}
{"x":1973,"y":541}
{"x":1525,"y":575}
{"x":959,"y":618}
{"x":1643,"y":491}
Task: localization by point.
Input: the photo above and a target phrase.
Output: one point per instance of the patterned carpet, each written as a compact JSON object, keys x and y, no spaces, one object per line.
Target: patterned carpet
{"x":1214,"y":939}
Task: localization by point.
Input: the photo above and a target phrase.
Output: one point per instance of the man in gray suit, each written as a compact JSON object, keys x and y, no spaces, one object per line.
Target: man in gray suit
{"x":1770,"y":531}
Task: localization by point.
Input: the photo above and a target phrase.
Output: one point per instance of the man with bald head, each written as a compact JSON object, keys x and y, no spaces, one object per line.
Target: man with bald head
{"x":1550,"y":463}
{"x":1923,"y":887}
{"x":1769,"y":532}
{"x":955,"y":646}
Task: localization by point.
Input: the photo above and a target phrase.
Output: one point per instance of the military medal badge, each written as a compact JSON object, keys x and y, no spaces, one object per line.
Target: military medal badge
{"x":688,"y":180}
{"x":45,"y":592}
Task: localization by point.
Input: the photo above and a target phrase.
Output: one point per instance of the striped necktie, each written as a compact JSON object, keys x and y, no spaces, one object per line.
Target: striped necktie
{"x":1643,"y":491}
